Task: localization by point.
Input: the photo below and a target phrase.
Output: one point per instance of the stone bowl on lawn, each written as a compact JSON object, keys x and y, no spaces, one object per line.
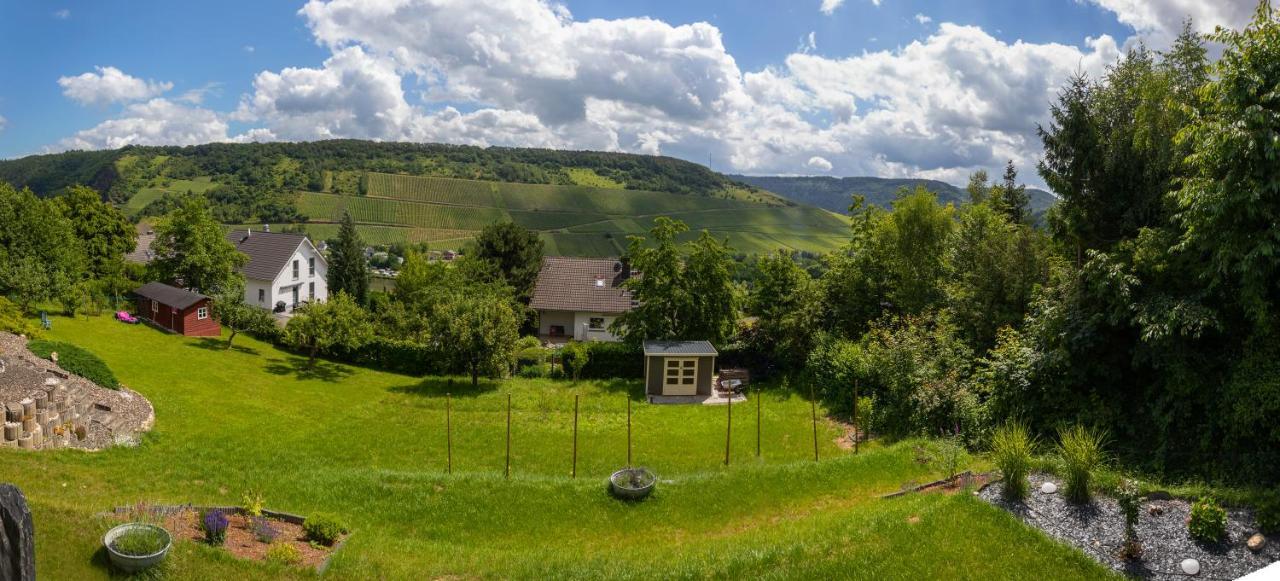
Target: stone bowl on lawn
{"x":124,"y":558}
{"x":632,"y":483}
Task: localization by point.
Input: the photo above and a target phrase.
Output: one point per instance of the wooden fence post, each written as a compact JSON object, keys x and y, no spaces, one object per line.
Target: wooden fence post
{"x":854,"y":416}
{"x":575,"y":436}
{"x":448,"y":431}
{"x":813,"y":400}
{"x":508,"y":436}
{"x":757,"y":425}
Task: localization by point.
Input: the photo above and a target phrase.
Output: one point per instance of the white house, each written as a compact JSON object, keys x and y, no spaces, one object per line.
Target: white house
{"x":283,"y":271}
{"x":579,"y":298}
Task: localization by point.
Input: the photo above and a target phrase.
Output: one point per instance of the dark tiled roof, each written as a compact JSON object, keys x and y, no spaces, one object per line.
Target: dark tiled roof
{"x":679,"y":348}
{"x":570,"y":284}
{"x":168,"y":295}
{"x":269,"y":252}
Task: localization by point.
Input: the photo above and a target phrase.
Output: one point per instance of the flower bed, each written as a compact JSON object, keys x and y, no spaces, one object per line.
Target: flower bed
{"x":1097,"y":528}
{"x":273,"y":536}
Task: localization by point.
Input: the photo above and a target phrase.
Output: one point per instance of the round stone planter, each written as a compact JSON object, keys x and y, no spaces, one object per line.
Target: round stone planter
{"x":135,"y":563}
{"x":632,"y":483}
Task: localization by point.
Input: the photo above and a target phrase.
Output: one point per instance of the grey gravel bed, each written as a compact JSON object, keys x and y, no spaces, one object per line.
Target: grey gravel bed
{"x":1098,"y":530}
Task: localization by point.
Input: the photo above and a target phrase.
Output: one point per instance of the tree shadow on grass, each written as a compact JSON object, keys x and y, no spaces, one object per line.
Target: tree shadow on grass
{"x":633,"y":389}
{"x":299,"y":368}
{"x":214,"y":344}
{"x":439,"y":386}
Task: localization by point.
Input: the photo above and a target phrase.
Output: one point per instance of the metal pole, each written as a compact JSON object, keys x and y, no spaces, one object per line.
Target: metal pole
{"x":728,"y":427}
{"x":508,"y":435}
{"x":813,"y":400}
{"x":628,"y":431}
{"x":448,"y":430}
{"x":575,"y":436}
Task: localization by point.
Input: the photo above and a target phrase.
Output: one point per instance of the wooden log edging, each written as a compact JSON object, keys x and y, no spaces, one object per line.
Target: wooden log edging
{"x":918,"y":488}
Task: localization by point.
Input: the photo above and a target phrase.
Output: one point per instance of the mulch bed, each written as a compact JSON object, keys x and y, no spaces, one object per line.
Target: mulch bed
{"x":1098,"y":529}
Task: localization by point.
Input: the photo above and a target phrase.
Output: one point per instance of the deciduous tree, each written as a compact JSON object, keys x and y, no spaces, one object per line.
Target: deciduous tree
{"x":338,"y":322}
{"x":192,"y":249}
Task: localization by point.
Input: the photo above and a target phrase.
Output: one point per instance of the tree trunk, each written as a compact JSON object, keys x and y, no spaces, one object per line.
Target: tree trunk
{"x":311,"y":360}
{"x":475,"y":375}
{"x":231,"y":338}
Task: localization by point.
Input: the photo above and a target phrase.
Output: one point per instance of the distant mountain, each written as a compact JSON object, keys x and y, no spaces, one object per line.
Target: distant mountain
{"x":835,"y":193}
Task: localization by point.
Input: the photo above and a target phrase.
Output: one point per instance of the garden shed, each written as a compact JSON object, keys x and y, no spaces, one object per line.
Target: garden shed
{"x":178,"y":310}
{"x":679,"y":367}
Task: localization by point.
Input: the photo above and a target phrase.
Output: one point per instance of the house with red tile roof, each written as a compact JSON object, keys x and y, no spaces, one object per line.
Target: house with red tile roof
{"x":579,"y":298}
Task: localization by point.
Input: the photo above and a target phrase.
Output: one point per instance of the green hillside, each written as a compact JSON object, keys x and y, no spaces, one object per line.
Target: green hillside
{"x":581,"y":202}
{"x":573,"y":220}
{"x":834,"y":193}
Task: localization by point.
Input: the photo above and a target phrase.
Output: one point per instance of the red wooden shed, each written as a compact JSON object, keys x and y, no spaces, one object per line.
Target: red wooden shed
{"x":178,"y":310}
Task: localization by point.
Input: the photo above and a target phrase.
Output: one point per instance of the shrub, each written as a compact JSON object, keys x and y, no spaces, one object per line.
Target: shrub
{"x":1130,"y":503}
{"x":253,"y":501}
{"x":77,"y":361}
{"x":264,"y":530}
{"x":214,"y":524}
{"x":284,"y":554}
{"x":529,"y":351}
{"x":1012,"y":447}
{"x":1208,"y":521}
{"x":535,"y":370}
{"x":11,"y":320}
{"x":574,"y":356}
{"x":323,"y":529}
{"x":139,"y":542}
{"x":1081,"y":451}
{"x":1267,"y":512}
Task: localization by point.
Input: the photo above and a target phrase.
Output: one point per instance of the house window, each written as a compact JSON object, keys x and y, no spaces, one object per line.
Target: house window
{"x":311,"y":268}
{"x":595,"y":323}
{"x":311,"y":290}
{"x":295,"y":270}
{"x":262,"y":295}
{"x":202,"y":313}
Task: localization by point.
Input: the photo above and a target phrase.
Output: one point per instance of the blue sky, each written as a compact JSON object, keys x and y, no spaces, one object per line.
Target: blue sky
{"x":853,"y":87}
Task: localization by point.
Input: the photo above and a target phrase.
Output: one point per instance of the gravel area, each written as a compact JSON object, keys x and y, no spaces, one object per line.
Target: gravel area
{"x":1098,"y":530}
{"x":116,"y":416}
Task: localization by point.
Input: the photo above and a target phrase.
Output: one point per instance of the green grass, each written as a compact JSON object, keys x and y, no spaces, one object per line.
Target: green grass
{"x":150,"y":194}
{"x":573,"y":220}
{"x":368,"y":447}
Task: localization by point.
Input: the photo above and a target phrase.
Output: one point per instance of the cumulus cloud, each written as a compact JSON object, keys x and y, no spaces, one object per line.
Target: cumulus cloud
{"x":110,"y":85}
{"x":155,"y":122}
{"x":1158,"y":21}
{"x":62,"y":14}
{"x":819,"y":163}
{"x":923,"y":19}
{"x":526,"y":73}
{"x":829,"y":6}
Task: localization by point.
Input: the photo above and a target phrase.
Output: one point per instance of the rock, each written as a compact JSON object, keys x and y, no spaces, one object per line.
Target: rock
{"x":1048,"y":488}
{"x":1190,"y":566}
{"x":1256,"y":542}
{"x":17,"y":536}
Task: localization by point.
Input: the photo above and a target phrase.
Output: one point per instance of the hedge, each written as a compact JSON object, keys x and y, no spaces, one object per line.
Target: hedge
{"x":396,"y":356}
{"x":77,"y":361}
{"x":613,"y":360}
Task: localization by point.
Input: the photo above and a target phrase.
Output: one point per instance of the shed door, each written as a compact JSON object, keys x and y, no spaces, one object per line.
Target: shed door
{"x":680,"y":376}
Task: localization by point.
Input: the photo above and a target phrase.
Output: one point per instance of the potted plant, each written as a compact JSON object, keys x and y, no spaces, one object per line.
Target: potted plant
{"x":632,"y":483}
{"x":135,"y":546}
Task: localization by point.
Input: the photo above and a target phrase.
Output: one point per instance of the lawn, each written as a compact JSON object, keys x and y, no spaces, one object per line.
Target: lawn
{"x":369,"y":446}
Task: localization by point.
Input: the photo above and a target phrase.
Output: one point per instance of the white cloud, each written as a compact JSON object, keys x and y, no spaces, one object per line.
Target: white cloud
{"x":249,"y":48}
{"x":155,"y":122}
{"x":819,"y":163}
{"x":829,"y":6}
{"x":62,"y":14}
{"x":525,"y":73}
{"x":110,"y":85}
{"x":923,"y":19}
{"x":3,"y":123}
{"x":810,"y":43}
{"x":1158,"y":21}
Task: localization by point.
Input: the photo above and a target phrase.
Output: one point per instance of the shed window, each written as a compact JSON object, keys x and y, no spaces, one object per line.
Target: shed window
{"x":202,"y":313}
{"x":680,"y":371}
{"x":155,"y":307}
